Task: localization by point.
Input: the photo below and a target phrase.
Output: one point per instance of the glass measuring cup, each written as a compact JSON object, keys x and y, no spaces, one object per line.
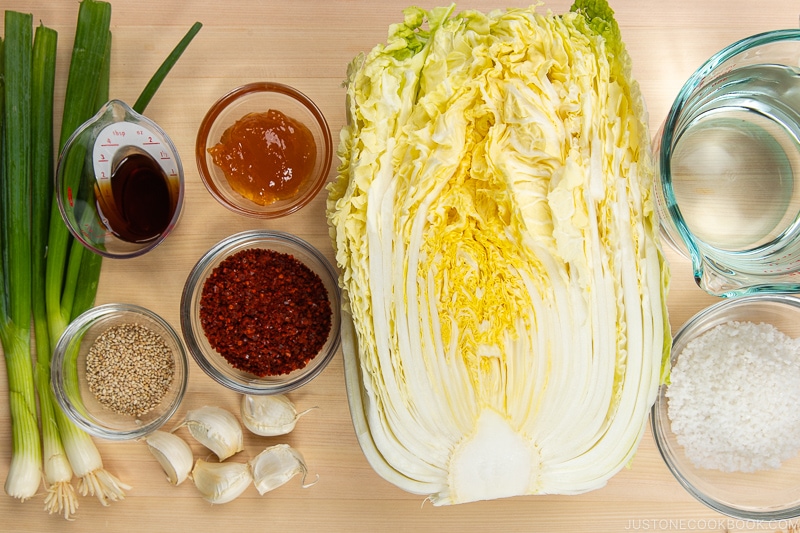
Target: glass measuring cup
{"x":728,"y":168}
{"x":119,"y":183}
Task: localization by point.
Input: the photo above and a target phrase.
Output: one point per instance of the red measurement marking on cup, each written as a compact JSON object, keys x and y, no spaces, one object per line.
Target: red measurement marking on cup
{"x":92,"y":234}
{"x":69,"y":197}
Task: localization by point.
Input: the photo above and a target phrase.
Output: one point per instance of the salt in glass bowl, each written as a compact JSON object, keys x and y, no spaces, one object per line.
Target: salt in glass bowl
{"x":71,"y":385}
{"x":260,"y":97}
{"x":768,"y":494}
{"x":210,"y":360}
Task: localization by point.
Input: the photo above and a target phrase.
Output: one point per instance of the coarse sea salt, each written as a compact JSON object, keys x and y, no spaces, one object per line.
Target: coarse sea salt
{"x":734,"y":398}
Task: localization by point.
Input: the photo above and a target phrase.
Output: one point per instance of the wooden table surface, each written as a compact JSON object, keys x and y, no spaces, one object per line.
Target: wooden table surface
{"x":307,"y":44}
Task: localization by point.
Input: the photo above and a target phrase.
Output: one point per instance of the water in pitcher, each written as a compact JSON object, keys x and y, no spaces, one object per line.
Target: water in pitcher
{"x":736,"y":156}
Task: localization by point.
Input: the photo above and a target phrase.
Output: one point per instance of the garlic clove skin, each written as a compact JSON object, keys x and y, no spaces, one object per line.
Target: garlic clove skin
{"x":221,"y":482}
{"x":216,"y":429}
{"x":172,"y":453}
{"x":269,"y":415}
{"x":275,"y":466}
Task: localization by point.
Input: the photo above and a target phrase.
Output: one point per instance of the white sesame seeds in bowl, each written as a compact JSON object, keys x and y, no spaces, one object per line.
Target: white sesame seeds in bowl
{"x":119,"y":371}
{"x":727,"y":423}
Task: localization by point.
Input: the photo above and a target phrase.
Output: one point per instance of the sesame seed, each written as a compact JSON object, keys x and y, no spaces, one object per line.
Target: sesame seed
{"x":129,"y":369}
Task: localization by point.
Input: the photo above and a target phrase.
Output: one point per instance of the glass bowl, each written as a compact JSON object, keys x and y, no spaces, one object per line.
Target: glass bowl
{"x":769,"y":492}
{"x":264,"y":331}
{"x":259,"y":98}
{"x":96,"y":401}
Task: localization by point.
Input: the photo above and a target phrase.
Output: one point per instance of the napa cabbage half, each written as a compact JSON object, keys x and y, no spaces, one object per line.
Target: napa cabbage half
{"x":494,"y":227}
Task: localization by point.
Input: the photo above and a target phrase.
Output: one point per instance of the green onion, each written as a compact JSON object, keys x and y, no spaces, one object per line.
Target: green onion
{"x":24,"y":474}
{"x":61,"y":497}
{"x":63,"y":278}
{"x":155,"y":82}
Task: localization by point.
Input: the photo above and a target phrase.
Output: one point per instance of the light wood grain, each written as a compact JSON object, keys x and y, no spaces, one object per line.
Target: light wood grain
{"x":307,"y":44}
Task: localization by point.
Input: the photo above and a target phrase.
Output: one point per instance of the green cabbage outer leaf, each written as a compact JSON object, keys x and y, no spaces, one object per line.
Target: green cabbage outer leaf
{"x":493,"y":223}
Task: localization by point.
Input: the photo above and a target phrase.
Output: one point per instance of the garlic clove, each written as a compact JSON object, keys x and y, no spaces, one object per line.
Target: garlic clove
{"x":269,"y":415}
{"x":221,"y":482}
{"x":216,"y":429}
{"x":172,"y":453}
{"x":275,"y":466}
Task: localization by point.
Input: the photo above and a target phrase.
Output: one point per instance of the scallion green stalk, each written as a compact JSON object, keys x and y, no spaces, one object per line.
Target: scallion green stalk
{"x":88,"y":269}
{"x":91,"y":45}
{"x":24,"y":474}
{"x":155,"y":82}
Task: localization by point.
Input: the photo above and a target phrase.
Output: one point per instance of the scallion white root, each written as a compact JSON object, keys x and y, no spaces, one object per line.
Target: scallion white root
{"x":216,"y":429}
{"x":270,"y":415}
{"x":87,"y":464}
{"x":103,"y":485}
{"x":172,"y":453}
{"x":221,"y":482}
{"x":62,"y":499}
{"x":275,"y":466}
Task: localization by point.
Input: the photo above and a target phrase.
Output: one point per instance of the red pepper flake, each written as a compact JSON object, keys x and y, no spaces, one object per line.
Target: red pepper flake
{"x":265,"y":312}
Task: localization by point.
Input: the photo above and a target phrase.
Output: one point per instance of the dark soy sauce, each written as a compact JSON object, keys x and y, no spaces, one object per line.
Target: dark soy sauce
{"x":143,"y":202}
